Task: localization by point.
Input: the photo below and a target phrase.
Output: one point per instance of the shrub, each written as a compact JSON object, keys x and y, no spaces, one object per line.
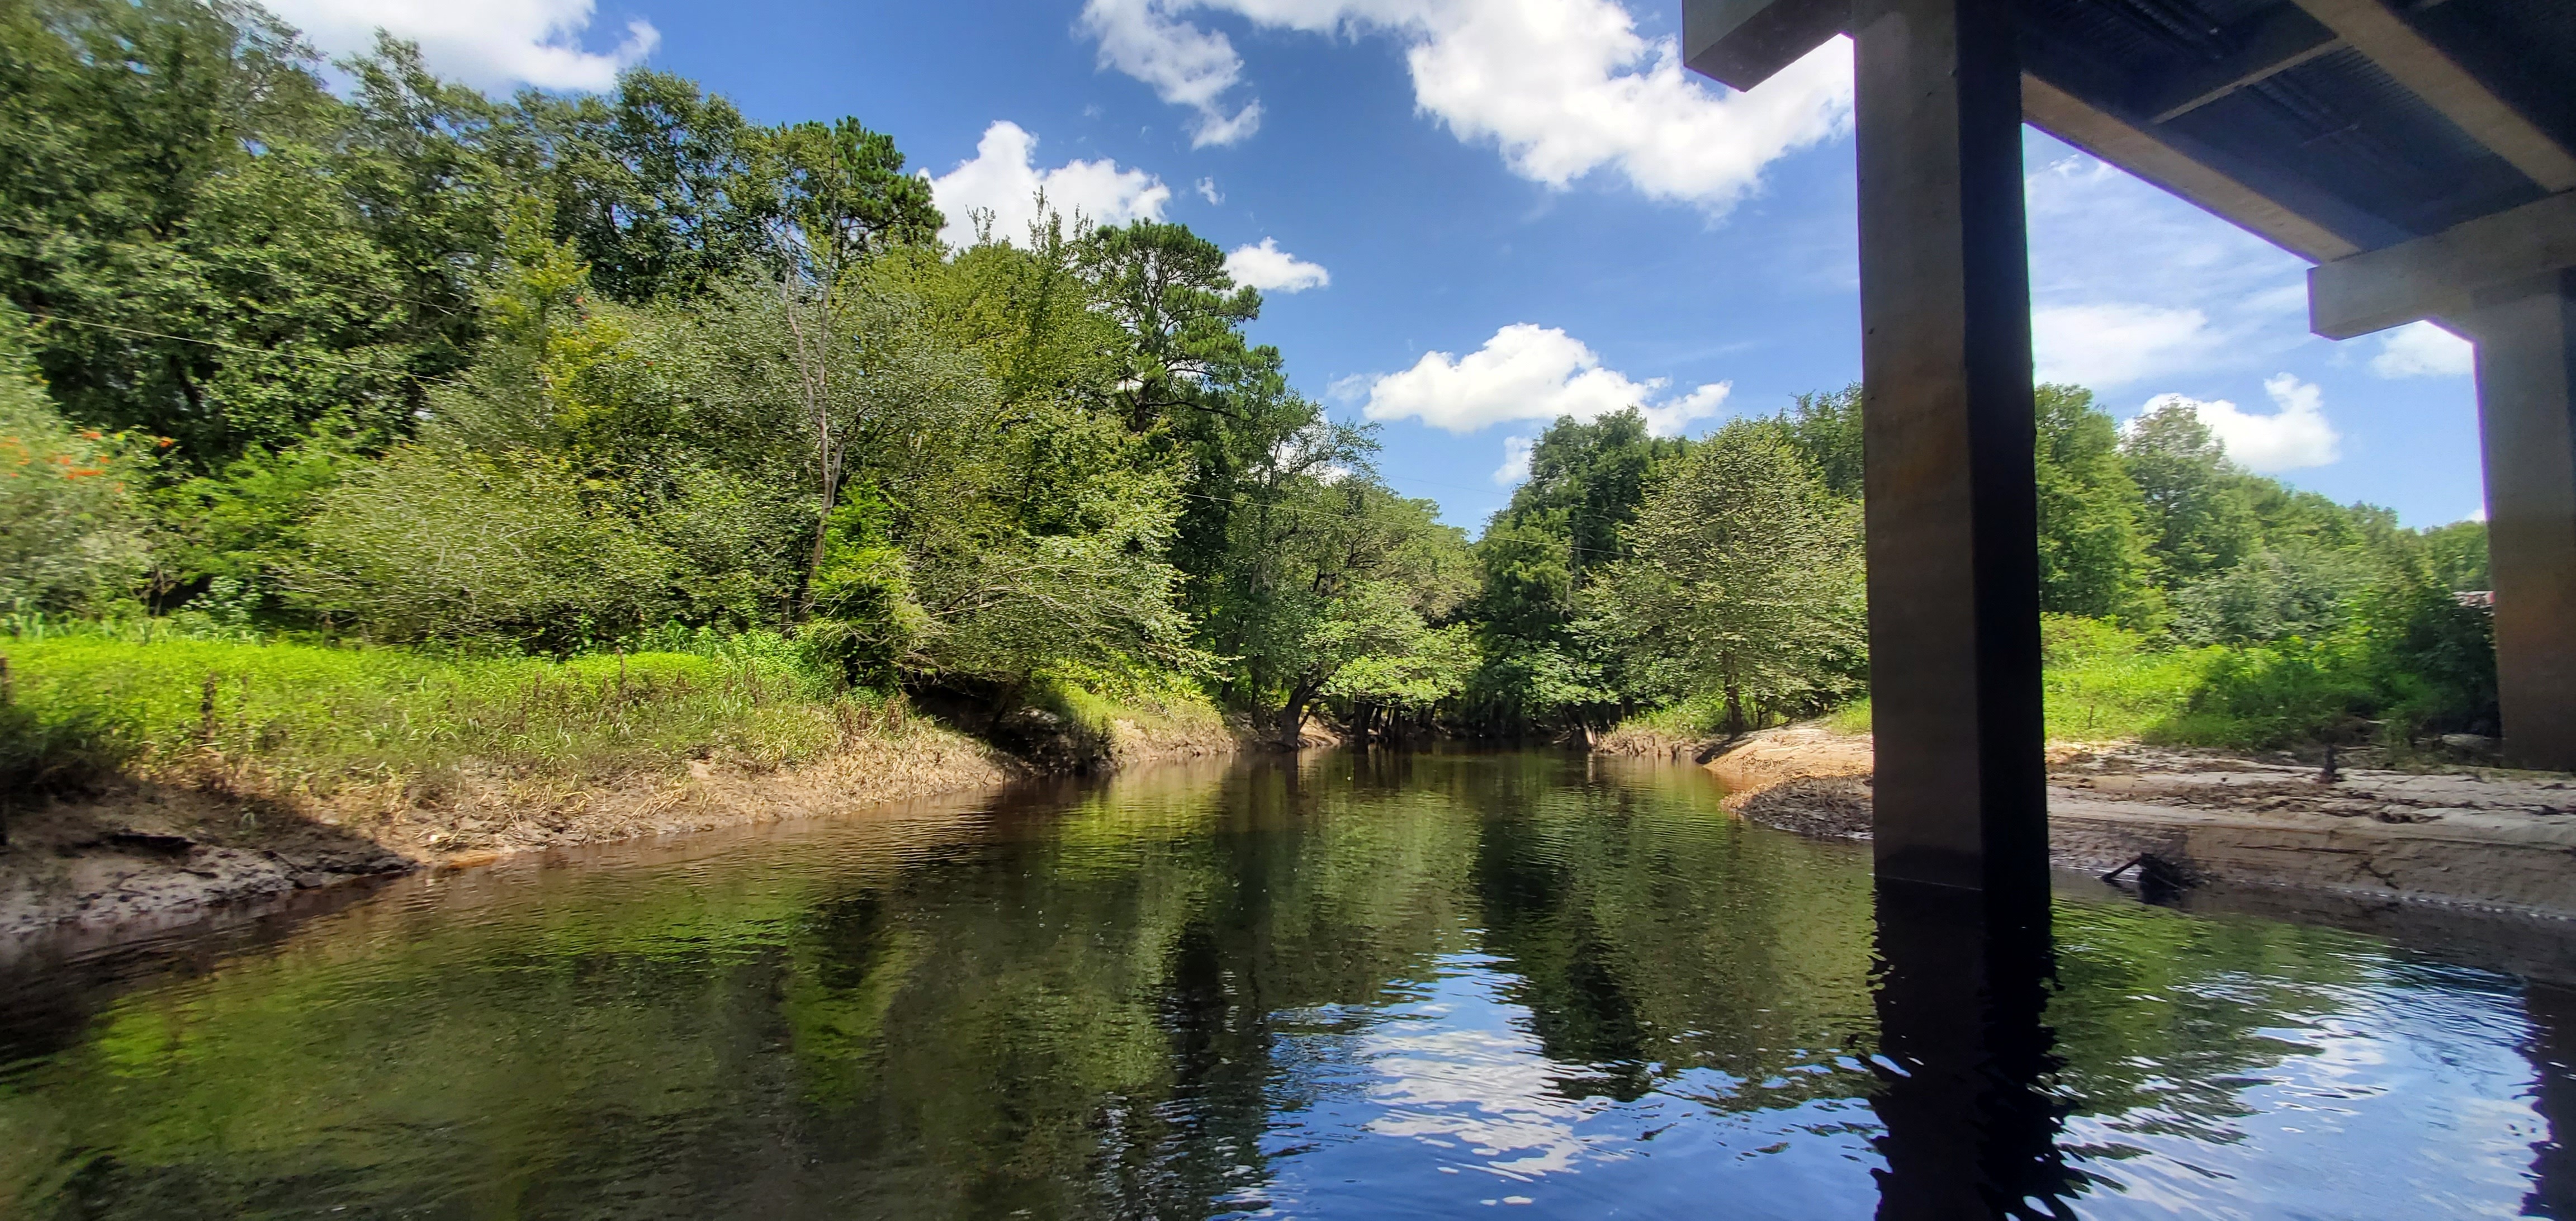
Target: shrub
{"x":69,"y":532}
{"x":429,"y":545}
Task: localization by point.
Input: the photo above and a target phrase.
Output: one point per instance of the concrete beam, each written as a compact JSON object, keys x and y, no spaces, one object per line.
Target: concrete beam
{"x":2446,"y":275}
{"x":2070,"y":118}
{"x":1952,"y":514}
{"x":2527,"y":427}
{"x":2369,"y":27}
{"x":1742,"y":43}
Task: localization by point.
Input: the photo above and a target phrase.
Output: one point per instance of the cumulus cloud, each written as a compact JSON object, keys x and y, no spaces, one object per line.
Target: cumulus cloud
{"x":1003,"y":179}
{"x":2421,"y":349}
{"x":1185,"y":65}
{"x":1516,"y":461}
{"x":1207,"y":191}
{"x":492,"y":43}
{"x":1530,"y":372}
{"x":2106,"y":345}
{"x":2179,"y":293}
{"x":1270,"y":269}
{"x":1561,"y":88}
{"x":2295,"y":435}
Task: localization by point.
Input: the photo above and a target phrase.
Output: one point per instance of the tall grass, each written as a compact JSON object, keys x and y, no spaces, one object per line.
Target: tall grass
{"x":2104,"y":683}
{"x":319,"y":715}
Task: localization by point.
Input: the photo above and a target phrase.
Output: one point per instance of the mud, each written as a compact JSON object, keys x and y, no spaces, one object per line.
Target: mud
{"x":2478,"y":837}
{"x":149,"y":849}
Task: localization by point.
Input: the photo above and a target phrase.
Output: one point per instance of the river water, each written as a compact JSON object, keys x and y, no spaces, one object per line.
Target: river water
{"x":1432,"y":985}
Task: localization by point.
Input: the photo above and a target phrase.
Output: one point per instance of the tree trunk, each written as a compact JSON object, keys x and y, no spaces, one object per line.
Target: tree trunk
{"x":1292,"y":720}
{"x":1734,"y":701}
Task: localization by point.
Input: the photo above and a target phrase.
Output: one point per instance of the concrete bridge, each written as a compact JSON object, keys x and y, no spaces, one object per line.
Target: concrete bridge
{"x":2417,"y":151}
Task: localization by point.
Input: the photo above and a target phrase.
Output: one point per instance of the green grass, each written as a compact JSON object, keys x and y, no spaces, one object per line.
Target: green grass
{"x":1093,"y":701}
{"x":2103,"y":682}
{"x":321,"y":715}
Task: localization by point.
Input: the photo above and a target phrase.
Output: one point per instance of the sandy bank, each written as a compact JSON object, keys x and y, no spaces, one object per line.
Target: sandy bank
{"x":205,"y":835}
{"x":2481,"y":837}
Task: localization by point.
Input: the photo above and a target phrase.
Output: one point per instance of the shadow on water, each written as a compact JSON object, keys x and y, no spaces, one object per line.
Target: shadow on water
{"x":1357,"y":984}
{"x":1962,"y":988}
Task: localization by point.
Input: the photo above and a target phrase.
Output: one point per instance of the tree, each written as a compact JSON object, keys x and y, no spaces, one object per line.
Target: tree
{"x":2092,"y":554}
{"x":1168,"y":289}
{"x":217,"y":249}
{"x":655,"y":185}
{"x":1825,"y":429}
{"x":2198,"y":520}
{"x":1538,"y":555}
{"x":1329,"y":569}
{"x":1745,"y":579}
{"x":843,"y":195}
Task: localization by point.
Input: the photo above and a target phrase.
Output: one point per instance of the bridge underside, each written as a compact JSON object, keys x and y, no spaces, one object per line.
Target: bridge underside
{"x":2418,"y":152}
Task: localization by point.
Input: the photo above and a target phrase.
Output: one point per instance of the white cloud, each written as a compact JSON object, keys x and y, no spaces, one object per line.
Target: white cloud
{"x":1270,"y":269}
{"x":2105,"y":345}
{"x":1185,"y":65}
{"x":1516,"y":461}
{"x":1561,"y":87}
{"x":2294,"y":436}
{"x":2421,"y":349}
{"x":1207,"y":191}
{"x":491,"y":43}
{"x":2178,"y":293}
{"x":1001,"y":178}
{"x":1530,"y":372}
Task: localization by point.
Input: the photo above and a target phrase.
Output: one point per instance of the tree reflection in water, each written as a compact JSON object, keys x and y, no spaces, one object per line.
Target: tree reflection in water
{"x":1358,"y":985}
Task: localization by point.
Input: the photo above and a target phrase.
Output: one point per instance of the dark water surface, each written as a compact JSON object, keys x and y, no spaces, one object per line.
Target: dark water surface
{"x":1360,"y":986}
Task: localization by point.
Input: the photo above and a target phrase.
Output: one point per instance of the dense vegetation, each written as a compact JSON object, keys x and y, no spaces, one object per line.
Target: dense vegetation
{"x":405,"y":366}
{"x":308,"y":357}
{"x":1714,"y":585}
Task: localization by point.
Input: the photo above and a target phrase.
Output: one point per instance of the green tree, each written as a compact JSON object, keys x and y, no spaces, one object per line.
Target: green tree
{"x":2198,"y":519}
{"x":1331,"y":569}
{"x":1562,"y":527}
{"x":843,"y":194}
{"x":1745,"y":580}
{"x":1825,"y":429}
{"x":2092,"y":555}
{"x":218,"y":249}
{"x":656,"y":185}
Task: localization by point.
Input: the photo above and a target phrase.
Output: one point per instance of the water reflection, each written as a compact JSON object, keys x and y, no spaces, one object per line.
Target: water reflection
{"x":2552,"y":1048}
{"x":1362,"y":985}
{"x":1964,"y":1053}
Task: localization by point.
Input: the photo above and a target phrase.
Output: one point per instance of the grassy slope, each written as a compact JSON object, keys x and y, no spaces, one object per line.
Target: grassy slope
{"x":315,"y":716}
{"x":2103,"y":683}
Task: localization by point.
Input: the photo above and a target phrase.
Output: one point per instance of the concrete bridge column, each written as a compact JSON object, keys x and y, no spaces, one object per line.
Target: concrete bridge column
{"x":1952,"y":507}
{"x":2527,"y":421}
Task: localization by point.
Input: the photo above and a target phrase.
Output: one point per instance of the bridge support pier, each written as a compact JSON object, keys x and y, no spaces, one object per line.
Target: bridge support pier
{"x":1952,"y":508}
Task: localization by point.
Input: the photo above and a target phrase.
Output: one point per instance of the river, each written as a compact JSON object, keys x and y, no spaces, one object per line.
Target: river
{"x":1357,"y":985}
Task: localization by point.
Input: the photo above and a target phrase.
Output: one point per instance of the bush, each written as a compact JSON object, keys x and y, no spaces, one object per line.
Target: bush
{"x":69,"y":532}
{"x":2272,"y":695}
{"x":430,"y":545}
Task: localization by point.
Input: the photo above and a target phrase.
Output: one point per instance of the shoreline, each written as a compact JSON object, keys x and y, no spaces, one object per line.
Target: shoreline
{"x":177,"y":844}
{"x":2479,"y":838}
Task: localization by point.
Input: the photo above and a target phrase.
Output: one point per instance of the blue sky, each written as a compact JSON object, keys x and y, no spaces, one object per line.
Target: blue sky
{"x":1480,"y":213}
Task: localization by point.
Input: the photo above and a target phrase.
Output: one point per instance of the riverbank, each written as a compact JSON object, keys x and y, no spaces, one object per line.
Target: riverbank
{"x":2480,"y":837}
{"x":139,"y":848}
{"x":181,"y":775}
